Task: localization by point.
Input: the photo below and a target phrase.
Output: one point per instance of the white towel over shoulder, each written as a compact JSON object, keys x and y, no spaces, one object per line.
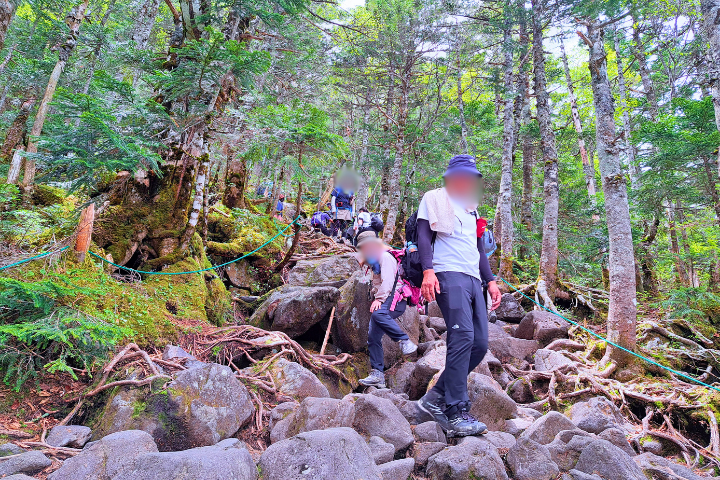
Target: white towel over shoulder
{"x":439,"y":211}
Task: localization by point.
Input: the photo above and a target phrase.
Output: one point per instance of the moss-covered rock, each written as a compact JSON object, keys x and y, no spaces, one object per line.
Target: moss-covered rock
{"x":46,"y":195}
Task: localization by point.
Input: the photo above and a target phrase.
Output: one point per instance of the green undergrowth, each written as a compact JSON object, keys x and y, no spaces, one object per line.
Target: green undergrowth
{"x":241,"y":232}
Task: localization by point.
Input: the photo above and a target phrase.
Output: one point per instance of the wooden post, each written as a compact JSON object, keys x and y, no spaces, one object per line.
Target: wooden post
{"x":327,"y":332}
{"x":84,"y":232}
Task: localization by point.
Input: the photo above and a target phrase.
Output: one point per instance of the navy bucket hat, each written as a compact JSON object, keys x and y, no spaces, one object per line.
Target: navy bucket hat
{"x":462,"y":164}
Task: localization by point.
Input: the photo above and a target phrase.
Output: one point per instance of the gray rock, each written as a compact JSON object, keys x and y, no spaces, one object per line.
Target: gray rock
{"x":280,"y":412}
{"x":510,"y":310}
{"x":412,"y":413}
{"x":108,"y":458}
{"x":433,"y":310}
{"x":323,"y":270}
{"x":352,"y":314}
{"x":242,"y":275}
{"x":426,"y":368}
{"x":516,"y":426}
{"x":429,"y":432}
{"x":294,"y":310}
{"x":472,"y":459}
{"x":294,"y":380}
{"x":74,"y":436}
{"x":596,"y":415}
{"x":544,"y":429}
{"x":228,"y":460}
{"x":314,"y":414}
{"x":7,"y":449}
{"x":409,"y":321}
{"x":652,"y":445}
{"x":546,"y":360}
{"x":501,"y":440}
{"x":578,"y":475}
{"x":18,"y":476}
{"x":542,"y":326}
{"x":398,"y":469}
{"x":611,"y":463}
{"x":617,"y":438}
{"x":520,"y":391}
{"x":377,"y":416}
{"x":173,"y":351}
{"x":566,"y":453}
{"x":529,"y":460}
{"x":423,"y":451}
{"x":335,"y":453}
{"x":437,"y":324}
{"x":401,"y":381}
{"x":382,"y":451}
{"x":508,"y":349}
{"x":664,"y":469}
{"x":529,"y":412}
{"x":28,"y":462}
{"x":489,"y":402}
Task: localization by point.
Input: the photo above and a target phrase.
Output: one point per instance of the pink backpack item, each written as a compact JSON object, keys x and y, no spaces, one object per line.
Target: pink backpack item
{"x":407,"y":290}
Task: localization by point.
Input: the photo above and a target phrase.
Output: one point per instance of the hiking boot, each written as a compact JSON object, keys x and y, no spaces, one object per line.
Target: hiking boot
{"x":432,"y":404}
{"x":407,"y":347}
{"x":375,"y":379}
{"x":461,"y":424}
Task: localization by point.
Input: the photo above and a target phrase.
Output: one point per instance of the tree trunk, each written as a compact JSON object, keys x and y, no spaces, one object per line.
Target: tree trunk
{"x":622,"y":310}
{"x":528,"y":158}
{"x":680,"y":267}
{"x":547,"y":279}
{"x":362,"y":194}
{"x":73,"y":20}
{"x":237,"y":174}
{"x":712,"y":187}
{"x":633,"y":167}
{"x":588,"y":168}
{"x":647,"y":260}
{"x":7,"y":11}
{"x":144,"y":22}
{"x":15,"y":166}
{"x":644,"y":70}
{"x":297,"y":227}
{"x":396,"y":169}
{"x":16,"y":133}
{"x":505,"y":195}
{"x":710,"y":10}
{"x":688,"y":260}
{"x":461,"y":111}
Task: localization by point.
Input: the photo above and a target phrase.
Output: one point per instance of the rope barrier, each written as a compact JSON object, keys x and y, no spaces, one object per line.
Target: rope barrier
{"x":204,"y":269}
{"x":648,"y":360}
{"x":32,"y":258}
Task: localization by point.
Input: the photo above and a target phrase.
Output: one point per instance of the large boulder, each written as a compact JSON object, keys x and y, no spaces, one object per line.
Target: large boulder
{"x":529,"y":460}
{"x":294,"y":310}
{"x":200,"y":407}
{"x":617,"y":438}
{"x":510,"y":310}
{"x":565,"y":450}
{"x":328,"y":270}
{"x":352,"y":314}
{"x":409,"y":321}
{"x":314,"y":414}
{"x":337,"y":453}
{"x":73,"y":436}
{"x":429,"y":432}
{"x":546,"y":360}
{"x":489,"y":402}
{"x":508,"y":349}
{"x":425,"y":369}
{"x":401,"y":380}
{"x":397,"y":469}
{"x":7,"y":449}
{"x":424,"y":450}
{"x":605,"y":459}
{"x":382,"y":451}
{"x":109,"y":458}
{"x":242,"y":275}
{"x":663,"y":469}
{"x":543,"y":327}
{"x":28,"y":462}
{"x":596,"y":415}
{"x":473,"y":459}
{"x":294,"y":380}
{"x":544,"y":429}
{"x":377,"y":416}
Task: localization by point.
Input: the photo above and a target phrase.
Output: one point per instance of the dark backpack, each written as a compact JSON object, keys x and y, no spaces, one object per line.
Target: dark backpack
{"x":342,"y":199}
{"x":376,"y":222}
{"x":410,"y":261}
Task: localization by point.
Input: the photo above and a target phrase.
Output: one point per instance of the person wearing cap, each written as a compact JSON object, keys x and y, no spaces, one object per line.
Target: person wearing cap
{"x":377,"y":258}
{"x":454,"y":269}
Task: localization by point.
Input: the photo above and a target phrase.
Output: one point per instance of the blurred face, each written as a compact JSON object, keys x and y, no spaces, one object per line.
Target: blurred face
{"x":371,"y":251}
{"x":464,"y":188}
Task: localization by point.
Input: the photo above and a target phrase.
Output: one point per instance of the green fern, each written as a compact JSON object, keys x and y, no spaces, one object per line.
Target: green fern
{"x":695,"y":304}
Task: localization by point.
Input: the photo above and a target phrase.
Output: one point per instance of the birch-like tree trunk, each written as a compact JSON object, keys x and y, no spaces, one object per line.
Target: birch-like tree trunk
{"x":680,"y":267}
{"x":16,"y":133}
{"x":547,"y":278}
{"x":73,"y":20}
{"x":461,"y":111}
{"x":7,"y":12}
{"x":644,"y":70}
{"x":710,"y":10}
{"x":144,"y":22}
{"x":362,"y":193}
{"x":622,"y":310}
{"x":528,"y":159}
{"x":633,"y":167}
{"x":505,"y":195}
{"x":588,"y":168}
{"x":395,"y":195}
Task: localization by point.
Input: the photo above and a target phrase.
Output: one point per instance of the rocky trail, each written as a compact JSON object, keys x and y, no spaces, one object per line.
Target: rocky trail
{"x":258,"y":401}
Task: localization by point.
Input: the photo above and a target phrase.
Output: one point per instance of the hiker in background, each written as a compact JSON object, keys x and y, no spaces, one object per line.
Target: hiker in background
{"x":280,"y":207}
{"x":454,"y":268}
{"x":376,"y":256}
{"x":342,"y":203}
{"x":320,"y":221}
{"x":362,"y":221}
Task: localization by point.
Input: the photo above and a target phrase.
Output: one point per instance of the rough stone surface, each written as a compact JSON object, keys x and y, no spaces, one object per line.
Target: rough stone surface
{"x":611,"y":463}
{"x":472,"y":459}
{"x":578,"y":475}
{"x":409,"y":321}
{"x":294,"y":380}
{"x":437,"y":323}
{"x":433,"y":310}
{"x":490,"y":404}
{"x":425,"y":369}
{"x":294,"y":310}
{"x":241,"y":275}
{"x":7,"y":449}
{"x":398,"y":469}
{"x":520,"y":391}
{"x":429,"y":432}
{"x":596,"y":415}
{"x":73,"y":436}
{"x":542,"y":326}
{"x":173,"y":351}
{"x":401,"y":381}
{"x":108,"y":458}
{"x":664,"y":469}
{"x":508,"y":349}
{"x":501,"y":440}
{"x":546,"y":360}
{"x":314,"y":414}
{"x":617,"y":438}
{"x":19,"y":476}
{"x":335,"y":453}
{"x":510,"y":310}
{"x":377,"y":416}
{"x":325,"y":270}
{"x":529,"y":460}
{"x":352,"y":314}
{"x":544,"y":429}
{"x":28,"y":462}
{"x":280,"y":412}
{"x":423,"y":451}
{"x":565,"y":450}
{"x":382,"y":451}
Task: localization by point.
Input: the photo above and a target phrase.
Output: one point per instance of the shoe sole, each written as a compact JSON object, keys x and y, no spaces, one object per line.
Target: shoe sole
{"x":376,"y":385}
{"x":454,"y":434}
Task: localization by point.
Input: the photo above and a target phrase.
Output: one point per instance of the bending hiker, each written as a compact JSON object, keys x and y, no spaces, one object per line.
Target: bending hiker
{"x":377,"y":257}
{"x":454,"y":267}
{"x":320,"y":220}
{"x":362,"y":221}
{"x":280,"y":207}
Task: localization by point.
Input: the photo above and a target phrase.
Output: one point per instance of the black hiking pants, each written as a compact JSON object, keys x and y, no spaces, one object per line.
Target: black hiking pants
{"x":382,"y":322}
{"x":462,"y":303}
